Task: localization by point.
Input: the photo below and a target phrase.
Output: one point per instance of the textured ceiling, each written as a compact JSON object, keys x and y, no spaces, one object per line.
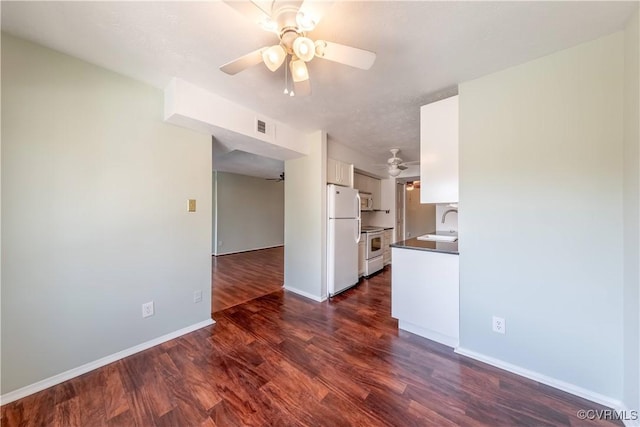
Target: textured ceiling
{"x":424,"y":49}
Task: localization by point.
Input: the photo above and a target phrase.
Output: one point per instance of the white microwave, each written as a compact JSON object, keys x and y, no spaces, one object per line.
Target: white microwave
{"x":366,"y":202}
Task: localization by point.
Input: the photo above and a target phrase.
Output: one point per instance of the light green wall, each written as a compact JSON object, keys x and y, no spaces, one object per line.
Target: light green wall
{"x":305,"y":220}
{"x":631,"y":215}
{"x":94,"y":215}
{"x":250,"y":213}
{"x":541,"y":192}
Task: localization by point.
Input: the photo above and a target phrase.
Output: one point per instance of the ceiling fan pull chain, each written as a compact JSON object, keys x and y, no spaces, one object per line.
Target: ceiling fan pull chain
{"x":291,"y":93}
{"x":286,"y":83}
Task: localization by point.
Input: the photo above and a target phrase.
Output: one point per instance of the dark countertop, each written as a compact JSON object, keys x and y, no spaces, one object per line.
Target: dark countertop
{"x":426,"y":245}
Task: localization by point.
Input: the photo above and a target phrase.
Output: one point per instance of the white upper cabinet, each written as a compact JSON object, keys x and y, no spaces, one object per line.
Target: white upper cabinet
{"x":439,"y":151}
{"x":339,"y":173}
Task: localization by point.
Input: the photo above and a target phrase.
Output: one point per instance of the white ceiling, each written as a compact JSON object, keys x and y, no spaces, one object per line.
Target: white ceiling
{"x":424,"y":49}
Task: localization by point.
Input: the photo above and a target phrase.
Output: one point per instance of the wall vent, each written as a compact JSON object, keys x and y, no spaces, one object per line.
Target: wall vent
{"x":262,"y":127}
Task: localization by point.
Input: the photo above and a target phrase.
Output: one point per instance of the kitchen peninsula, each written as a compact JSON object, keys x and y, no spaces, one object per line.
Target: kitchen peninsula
{"x":425,"y":288}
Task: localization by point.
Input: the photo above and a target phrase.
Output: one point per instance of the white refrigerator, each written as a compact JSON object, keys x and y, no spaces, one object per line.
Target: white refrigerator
{"x":343,"y":235}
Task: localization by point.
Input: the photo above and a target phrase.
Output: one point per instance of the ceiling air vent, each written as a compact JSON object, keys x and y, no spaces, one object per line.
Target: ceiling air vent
{"x":262,"y":127}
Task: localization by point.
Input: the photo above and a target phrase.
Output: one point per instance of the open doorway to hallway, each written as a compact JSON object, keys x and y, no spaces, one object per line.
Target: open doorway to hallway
{"x":413,"y":218}
{"x":248,"y":227}
{"x":400,"y":211}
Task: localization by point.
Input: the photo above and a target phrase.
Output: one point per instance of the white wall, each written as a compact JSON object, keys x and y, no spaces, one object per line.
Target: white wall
{"x":94,"y":215}
{"x":631,"y":216}
{"x":249,"y":213}
{"x":360,"y":161}
{"x":541,"y":193}
{"x":305,"y":230}
{"x":419,"y":218}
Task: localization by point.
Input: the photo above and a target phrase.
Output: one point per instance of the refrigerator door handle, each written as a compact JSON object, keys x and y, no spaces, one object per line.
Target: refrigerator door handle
{"x":359,"y":217}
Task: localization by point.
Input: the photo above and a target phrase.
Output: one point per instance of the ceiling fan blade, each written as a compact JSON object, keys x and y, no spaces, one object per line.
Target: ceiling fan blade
{"x":402,"y":167}
{"x":352,"y":56}
{"x":413,"y":162}
{"x":312,"y":12}
{"x":302,"y":88}
{"x":255,"y":10}
{"x":244,"y":62}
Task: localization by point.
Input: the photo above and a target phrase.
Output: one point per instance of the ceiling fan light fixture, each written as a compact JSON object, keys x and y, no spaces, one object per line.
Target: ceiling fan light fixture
{"x":305,"y":22}
{"x":394,"y":170}
{"x":320,"y":45}
{"x":274,"y":57}
{"x":299,"y":71}
{"x":304,"y":48}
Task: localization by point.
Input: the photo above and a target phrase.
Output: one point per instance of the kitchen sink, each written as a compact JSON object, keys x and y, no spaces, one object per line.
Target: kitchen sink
{"x":438,"y":237}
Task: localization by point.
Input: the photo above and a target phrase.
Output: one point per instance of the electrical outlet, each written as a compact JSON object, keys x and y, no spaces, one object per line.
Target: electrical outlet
{"x":219,"y":242}
{"x":499,"y":325}
{"x":197,"y":296}
{"x":147,"y":309}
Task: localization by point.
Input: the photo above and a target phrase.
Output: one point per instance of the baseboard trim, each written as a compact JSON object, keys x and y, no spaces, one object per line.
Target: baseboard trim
{"x":248,"y":250}
{"x":304,"y":294}
{"x":80,"y":370}
{"x":428,"y":334}
{"x":544,"y":379}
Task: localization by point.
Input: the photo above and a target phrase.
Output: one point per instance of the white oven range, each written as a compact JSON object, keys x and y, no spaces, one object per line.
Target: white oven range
{"x":374,"y":260}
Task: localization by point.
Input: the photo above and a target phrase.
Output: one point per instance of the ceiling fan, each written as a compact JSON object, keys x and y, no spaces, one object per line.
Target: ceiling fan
{"x":291,"y":20}
{"x":395,"y":165}
{"x":279,"y":179}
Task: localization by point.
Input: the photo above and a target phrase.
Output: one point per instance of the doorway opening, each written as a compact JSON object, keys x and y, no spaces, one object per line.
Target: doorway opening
{"x":413,"y":218}
{"x":247,"y":227}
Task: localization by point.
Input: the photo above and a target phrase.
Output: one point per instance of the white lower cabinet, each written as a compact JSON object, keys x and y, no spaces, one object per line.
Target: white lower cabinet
{"x":425,"y":294}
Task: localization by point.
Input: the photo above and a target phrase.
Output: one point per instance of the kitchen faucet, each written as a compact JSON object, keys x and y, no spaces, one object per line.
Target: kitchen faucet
{"x":444,"y":215}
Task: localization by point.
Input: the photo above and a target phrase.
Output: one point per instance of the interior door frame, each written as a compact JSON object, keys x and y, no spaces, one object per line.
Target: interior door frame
{"x":400,"y":211}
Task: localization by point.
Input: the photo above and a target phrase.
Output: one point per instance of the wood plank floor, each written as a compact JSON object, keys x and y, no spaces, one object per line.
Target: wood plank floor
{"x":285,"y":360}
{"x":238,"y":278}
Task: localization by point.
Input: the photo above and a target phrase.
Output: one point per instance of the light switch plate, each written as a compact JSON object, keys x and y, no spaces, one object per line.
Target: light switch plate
{"x":191,"y":205}
{"x":148,"y":309}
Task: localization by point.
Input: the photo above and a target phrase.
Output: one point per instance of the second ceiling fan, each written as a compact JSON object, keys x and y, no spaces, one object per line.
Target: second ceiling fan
{"x":291,"y":20}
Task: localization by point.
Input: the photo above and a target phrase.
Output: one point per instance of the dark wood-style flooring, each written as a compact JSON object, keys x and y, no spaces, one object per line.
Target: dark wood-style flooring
{"x":284,"y":360}
{"x":237,"y":278}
